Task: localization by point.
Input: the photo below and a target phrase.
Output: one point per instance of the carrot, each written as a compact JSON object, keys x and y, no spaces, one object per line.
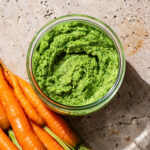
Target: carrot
{"x":7,"y":77}
{"x":27,"y":106}
{"x":5,"y":142}
{"x":5,"y":72}
{"x":4,"y":123}
{"x":47,"y":140}
{"x":53,"y":121}
{"x":17,"y":118}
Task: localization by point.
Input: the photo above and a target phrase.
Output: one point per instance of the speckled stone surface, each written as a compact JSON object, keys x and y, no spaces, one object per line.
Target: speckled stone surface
{"x":125,"y":123}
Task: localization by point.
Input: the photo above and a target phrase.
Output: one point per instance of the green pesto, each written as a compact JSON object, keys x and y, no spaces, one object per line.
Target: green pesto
{"x":75,"y":64}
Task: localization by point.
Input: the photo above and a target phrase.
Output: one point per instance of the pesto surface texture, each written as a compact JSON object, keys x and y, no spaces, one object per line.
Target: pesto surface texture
{"x":75,"y":63}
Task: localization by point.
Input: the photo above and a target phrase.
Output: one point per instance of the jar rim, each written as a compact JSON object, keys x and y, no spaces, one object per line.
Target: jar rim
{"x":76,"y":17}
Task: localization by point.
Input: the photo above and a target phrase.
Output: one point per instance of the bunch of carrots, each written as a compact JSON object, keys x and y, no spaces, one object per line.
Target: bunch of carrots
{"x":34,"y":126}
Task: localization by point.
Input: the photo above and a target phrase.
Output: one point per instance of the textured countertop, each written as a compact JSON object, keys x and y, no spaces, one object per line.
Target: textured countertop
{"x":125,"y":123}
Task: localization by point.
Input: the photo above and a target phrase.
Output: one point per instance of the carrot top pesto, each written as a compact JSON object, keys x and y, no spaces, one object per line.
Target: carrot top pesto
{"x":75,"y":63}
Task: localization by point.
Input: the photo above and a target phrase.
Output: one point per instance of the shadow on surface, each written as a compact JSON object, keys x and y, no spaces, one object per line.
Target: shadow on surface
{"x":121,"y":121}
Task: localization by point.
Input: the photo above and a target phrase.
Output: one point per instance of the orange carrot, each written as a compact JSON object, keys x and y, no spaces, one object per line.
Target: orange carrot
{"x":17,"y":118}
{"x":7,"y":77}
{"x":53,"y":121}
{"x":27,"y":106}
{"x":47,"y":140}
{"x":4,"y":123}
{"x":5,"y":142}
{"x":5,"y":72}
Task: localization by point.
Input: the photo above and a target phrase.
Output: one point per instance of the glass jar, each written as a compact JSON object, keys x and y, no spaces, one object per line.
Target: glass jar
{"x":100,"y":103}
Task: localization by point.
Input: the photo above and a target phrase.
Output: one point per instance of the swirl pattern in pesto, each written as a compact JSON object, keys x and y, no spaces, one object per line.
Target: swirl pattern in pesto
{"x":75,"y":64}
